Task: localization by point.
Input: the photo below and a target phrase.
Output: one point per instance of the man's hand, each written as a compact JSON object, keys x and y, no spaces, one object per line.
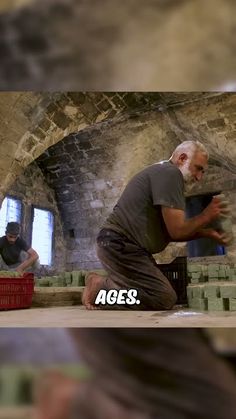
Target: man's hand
{"x":220,"y":237}
{"x":54,"y":394}
{"x":215,"y":209}
{"x":20,"y":270}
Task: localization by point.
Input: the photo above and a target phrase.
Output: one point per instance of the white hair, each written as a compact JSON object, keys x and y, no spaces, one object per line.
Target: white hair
{"x":190,"y":148}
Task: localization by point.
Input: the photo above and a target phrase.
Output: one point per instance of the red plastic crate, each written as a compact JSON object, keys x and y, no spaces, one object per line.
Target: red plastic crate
{"x":16,"y":293}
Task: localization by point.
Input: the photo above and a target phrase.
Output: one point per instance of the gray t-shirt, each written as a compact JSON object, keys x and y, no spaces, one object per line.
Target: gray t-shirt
{"x":138,"y":211}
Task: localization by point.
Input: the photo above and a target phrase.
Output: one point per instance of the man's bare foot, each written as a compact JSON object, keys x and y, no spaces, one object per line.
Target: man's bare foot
{"x":95,"y":282}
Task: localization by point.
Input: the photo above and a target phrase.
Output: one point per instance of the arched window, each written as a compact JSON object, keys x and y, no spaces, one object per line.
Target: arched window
{"x":10,"y":211}
{"x":42,"y":234}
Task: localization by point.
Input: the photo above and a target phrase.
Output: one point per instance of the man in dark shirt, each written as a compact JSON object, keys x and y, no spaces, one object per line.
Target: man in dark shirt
{"x":148,"y":216}
{"x":15,"y":254}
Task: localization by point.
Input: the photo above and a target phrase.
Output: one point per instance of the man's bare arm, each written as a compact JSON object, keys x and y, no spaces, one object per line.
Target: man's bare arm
{"x":182,"y":229}
{"x":33,"y":256}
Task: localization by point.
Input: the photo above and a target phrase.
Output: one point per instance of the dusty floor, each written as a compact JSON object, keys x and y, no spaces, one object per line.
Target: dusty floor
{"x":77,"y":316}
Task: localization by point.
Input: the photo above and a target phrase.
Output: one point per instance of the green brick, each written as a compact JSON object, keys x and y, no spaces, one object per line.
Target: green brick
{"x":228,"y":273}
{"x":213,"y":267}
{"x":75,"y":278}
{"x":213,"y":280}
{"x":68,"y":278}
{"x":194,"y":268}
{"x":43,"y":282}
{"x":194,"y":281}
{"x":198,"y":291}
{"x":196,"y":275}
{"x":213,"y":274}
{"x":211,"y":291}
{"x":222,"y":273}
{"x":189,"y":292}
{"x":232,"y":304}
{"x":198,"y":303}
{"x":75,"y":275}
{"x":82,"y":278}
{"x":228,"y":291}
{"x":218,"y":304}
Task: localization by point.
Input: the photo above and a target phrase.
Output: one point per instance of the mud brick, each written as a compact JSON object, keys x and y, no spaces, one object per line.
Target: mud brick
{"x":232,"y":304}
{"x":218,"y":304}
{"x":212,"y":291}
{"x":228,"y":291}
{"x":198,"y":303}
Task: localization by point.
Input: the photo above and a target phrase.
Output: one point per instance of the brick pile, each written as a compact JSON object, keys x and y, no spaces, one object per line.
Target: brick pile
{"x":212,"y":287}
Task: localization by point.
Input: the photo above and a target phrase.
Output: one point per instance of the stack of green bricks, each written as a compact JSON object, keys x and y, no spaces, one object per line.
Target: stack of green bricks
{"x":66,"y":279}
{"x":212,"y":287}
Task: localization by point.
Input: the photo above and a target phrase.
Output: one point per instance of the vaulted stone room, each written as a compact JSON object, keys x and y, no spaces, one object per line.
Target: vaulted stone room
{"x":71,"y":154}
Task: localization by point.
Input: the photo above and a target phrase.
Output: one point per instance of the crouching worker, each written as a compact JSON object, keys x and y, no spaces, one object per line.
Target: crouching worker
{"x":15,"y":254}
{"x":148,"y":216}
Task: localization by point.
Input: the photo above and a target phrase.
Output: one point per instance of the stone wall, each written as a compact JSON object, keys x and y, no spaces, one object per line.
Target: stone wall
{"x":157,"y":45}
{"x":88,"y":170}
{"x":90,"y":144}
{"x":32,"y":189}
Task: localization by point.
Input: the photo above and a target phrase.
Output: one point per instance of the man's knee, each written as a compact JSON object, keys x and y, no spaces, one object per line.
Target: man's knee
{"x":171,"y":299}
{"x":166,"y":299}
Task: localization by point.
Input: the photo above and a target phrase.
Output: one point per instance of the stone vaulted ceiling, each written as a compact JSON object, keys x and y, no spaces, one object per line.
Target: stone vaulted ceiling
{"x":32,"y":122}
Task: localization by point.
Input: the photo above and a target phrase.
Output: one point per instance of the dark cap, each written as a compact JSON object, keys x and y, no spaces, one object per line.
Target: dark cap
{"x":13,"y":228}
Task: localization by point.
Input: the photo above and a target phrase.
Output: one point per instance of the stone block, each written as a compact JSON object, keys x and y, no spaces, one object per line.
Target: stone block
{"x":97,"y":203}
{"x":218,"y":304}
{"x":211,"y":291}
{"x":228,"y":290}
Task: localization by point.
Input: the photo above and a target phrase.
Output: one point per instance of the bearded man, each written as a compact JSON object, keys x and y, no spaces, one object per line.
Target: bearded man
{"x":148,"y":216}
